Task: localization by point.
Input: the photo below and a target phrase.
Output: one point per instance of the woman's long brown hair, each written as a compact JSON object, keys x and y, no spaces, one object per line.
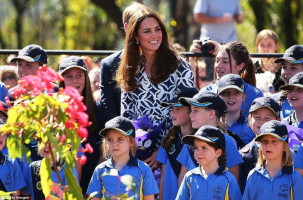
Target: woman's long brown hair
{"x":166,"y":59}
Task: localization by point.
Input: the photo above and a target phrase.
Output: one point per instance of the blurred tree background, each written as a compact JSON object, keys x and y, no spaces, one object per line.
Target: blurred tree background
{"x":96,"y":24}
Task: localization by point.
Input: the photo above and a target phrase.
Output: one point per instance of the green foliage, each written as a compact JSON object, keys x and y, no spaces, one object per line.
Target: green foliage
{"x":56,"y":120}
{"x":45,"y":174}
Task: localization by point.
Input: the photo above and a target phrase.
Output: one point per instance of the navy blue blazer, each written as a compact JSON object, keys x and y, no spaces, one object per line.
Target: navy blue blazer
{"x":110,"y":93}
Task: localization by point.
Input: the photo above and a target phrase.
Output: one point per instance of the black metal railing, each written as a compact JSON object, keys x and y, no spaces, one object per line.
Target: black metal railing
{"x":108,"y":52}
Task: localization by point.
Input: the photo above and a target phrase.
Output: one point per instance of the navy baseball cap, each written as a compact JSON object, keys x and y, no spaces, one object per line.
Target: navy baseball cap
{"x":231,"y":81}
{"x":293,"y":54}
{"x":265,"y":102}
{"x":295,"y":81}
{"x":32,"y":53}
{"x":184,"y":92}
{"x":207,"y":99}
{"x":120,"y":124}
{"x":208,"y":134}
{"x":274,"y":128}
{"x":72,"y":62}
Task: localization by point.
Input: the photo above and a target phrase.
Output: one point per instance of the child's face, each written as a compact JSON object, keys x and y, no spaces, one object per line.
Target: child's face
{"x":233,"y":99}
{"x":222,"y":64}
{"x":27,"y":68}
{"x":180,"y":116}
{"x":45,"y":151}
{"x":272,"y":148}
{"x":75,"y":78}
{"x":3,"y":117}
{"x":295,"y":97}
{"x":199,"y":116}
{"x":205,"y":154}
{"x":2,"y":141}
{"x":259,"y":117}
{"x":289,"y":70}
{"x":117,"y":144}
{"x":10,"y":79}
{"x":267,"y":45}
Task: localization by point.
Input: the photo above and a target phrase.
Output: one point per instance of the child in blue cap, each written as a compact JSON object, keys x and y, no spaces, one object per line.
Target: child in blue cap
{"x":172,"y":143}
{"x":262,"y":110}
{"x":208,"y":108}
{"x":210,"y":180}
{"x":291,"y":63}
{"x":11,"y":178}
{"x":294,"y":91}
{"x":274,"y":176}
{"x":119,"y":147}
{"x":231,"y":89}
{"x":33,"y":178}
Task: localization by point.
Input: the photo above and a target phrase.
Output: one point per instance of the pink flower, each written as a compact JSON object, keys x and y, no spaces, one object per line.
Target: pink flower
{"x":70,"y":124}
{"x":82,"y":132}
{"x":89,"y":148}
{"x":82,"y":160}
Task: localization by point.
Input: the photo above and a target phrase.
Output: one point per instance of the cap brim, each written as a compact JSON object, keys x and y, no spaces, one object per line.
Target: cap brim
{"x":25,"y":58}
{"x":231,"y":87}
{"x":167,"y":104}
{"x":288,"y":59}
{"x":259,"y":137}
{"x":104,"y":131}
{"x":272,"y":110}
{"x":79,"y":67}
{"x":286,"y":87}
{"x":189,"y":139}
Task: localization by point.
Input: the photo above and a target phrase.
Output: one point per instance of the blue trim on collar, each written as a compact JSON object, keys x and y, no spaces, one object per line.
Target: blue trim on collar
{"x":219,"y":171}
{"x":242,"y":119}
{"x":2,"y":158}
{"x":285,"y":169}
{"x":131,"y":162}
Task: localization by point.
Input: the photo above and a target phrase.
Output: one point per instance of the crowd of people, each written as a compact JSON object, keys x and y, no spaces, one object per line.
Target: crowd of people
{"x":178,"y":137}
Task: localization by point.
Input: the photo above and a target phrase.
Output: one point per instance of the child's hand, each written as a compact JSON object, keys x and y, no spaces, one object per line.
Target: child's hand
{"x":151,"y":161}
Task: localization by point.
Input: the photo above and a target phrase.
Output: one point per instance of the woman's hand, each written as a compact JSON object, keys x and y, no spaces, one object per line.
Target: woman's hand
{"x":151,"y":161}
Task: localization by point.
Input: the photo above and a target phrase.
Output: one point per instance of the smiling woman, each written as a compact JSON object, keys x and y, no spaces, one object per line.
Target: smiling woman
{"x":150,"y":72}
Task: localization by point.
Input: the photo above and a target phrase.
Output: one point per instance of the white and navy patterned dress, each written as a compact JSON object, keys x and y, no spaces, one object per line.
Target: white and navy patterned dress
{"x":146,"y":99}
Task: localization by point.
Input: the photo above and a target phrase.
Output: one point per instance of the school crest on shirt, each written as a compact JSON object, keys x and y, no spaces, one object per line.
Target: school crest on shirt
{"x":172,"y":149}
{"x":218,"y":193}
{"x":283,"y":191}
{"x":7,"y":179}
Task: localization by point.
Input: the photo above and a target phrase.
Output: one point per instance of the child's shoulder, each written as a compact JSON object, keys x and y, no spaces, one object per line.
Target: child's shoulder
{"x":6,"y":159}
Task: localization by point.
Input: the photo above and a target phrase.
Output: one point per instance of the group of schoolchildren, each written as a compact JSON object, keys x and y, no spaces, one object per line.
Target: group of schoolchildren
{"x":213,"y":151}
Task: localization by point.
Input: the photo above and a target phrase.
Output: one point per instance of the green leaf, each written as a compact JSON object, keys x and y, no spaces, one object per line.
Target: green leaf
{"x":74,"y":190}
{"x":5,"y":195}
{"x":45,"y":174}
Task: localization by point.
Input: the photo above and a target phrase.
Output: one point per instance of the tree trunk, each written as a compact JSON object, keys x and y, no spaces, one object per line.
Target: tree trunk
{"x":112,"y":10}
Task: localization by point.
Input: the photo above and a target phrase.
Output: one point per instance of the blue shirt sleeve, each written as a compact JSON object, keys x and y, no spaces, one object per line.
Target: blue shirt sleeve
{"x":297,"y":185}
{"x":184,"y":191}
{"x":162,"y":156}
{"x":234,"y":192}
{"x":95,"y":184}
{"x":299,"y":158}
{"x":149,"y":183}
{"x":233,"y":156}
{"x":3,"y":92}
{"x":18,"y":177}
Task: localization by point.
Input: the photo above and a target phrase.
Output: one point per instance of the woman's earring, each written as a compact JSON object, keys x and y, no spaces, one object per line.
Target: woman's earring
{"x":137,"y":42}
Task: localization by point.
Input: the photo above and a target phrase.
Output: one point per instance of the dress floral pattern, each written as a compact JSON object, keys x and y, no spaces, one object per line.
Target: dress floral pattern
{"x":146,"y":99}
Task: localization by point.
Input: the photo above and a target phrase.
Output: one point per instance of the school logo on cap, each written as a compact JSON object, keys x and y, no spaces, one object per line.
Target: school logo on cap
{"x":213,"y":139}
{"x":270,"y":128}
{"x":129,"y":132}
